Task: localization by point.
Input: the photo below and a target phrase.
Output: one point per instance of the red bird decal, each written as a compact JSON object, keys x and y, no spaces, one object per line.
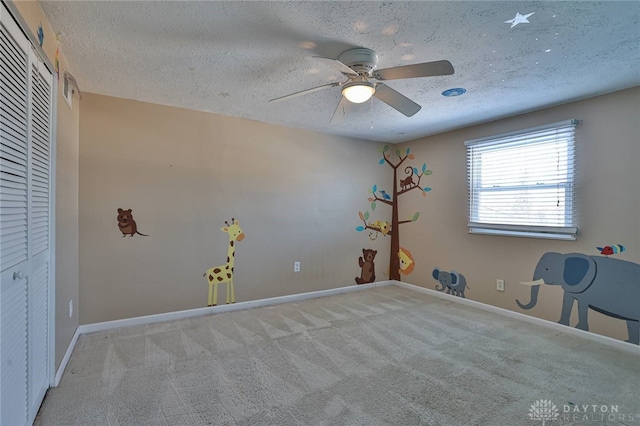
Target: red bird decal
{"x":613,"y":249}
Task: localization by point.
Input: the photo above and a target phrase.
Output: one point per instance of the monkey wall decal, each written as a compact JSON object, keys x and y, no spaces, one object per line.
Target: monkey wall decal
{"x":407,"y":183}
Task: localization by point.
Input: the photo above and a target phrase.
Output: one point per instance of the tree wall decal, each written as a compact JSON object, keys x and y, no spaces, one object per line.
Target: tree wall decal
{"x":400,"y":187}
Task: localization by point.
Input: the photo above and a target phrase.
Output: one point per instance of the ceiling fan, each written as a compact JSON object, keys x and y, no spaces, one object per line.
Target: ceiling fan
{"x":359,"y":65}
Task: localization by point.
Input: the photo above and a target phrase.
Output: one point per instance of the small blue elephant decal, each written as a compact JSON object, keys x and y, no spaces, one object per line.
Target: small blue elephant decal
{"x":454,"y":282}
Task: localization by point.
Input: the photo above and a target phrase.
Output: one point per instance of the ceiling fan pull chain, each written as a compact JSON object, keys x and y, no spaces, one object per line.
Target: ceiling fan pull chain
{"x":371,"y":111}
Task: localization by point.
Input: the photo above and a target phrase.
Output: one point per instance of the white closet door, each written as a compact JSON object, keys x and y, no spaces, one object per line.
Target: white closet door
{"x":39,"y":207}
{"x":13,"y":221}
{"x":25,"y":224}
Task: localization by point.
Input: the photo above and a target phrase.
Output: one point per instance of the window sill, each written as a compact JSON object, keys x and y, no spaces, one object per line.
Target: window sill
{"x":524,"y":234}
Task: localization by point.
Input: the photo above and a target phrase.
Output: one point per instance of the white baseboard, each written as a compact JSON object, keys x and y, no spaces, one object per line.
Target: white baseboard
{"x":190,"y":313}
{"x":614,"y":343}
{"x":65,"y":358}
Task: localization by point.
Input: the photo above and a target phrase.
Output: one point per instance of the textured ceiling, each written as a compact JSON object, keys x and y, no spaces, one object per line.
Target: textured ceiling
{"x":232,"y":57}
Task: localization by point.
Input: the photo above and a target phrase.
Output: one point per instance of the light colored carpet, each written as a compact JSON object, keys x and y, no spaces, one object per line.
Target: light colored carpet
{"x":383,"y":356}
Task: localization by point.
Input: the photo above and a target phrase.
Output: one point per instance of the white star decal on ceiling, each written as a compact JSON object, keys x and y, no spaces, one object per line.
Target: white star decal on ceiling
{"x":519,"y":19}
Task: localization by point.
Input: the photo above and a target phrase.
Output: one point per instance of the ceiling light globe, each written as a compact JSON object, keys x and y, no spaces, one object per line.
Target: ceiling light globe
{"x":358,"y":92}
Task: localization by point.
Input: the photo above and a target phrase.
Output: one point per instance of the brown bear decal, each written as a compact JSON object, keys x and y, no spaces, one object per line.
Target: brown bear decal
{"x":368,"y":273}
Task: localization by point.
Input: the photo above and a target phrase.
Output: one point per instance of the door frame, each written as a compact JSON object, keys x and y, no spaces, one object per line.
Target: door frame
{"x":51,"y":291}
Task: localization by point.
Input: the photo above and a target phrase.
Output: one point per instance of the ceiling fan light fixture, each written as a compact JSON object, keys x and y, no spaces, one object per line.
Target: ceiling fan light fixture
{"x":358,"y":91}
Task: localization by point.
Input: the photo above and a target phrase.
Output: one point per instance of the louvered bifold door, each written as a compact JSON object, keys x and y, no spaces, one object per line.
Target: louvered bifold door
{"x":14,"y":159}
{"x":39,"y":197}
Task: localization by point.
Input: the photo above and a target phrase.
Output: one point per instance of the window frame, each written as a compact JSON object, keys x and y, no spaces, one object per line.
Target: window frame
{"x":521,"y":138}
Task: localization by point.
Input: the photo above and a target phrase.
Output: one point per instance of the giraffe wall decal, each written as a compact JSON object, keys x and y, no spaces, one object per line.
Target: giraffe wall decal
{"x":224,"y":274}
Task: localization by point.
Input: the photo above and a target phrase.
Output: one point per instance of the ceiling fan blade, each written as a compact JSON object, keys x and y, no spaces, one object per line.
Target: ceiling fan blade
{"x":396,"y":100}
{"x":307,"y":91}
{"x":336,"y":64}
{"x":425,"y":69}
{"x":340,"y":112}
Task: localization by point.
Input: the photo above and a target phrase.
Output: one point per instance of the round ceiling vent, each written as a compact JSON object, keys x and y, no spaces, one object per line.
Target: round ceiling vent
{"x":456,"y":91}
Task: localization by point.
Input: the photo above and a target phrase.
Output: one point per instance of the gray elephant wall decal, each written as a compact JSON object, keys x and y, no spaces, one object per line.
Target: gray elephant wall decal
{"x":454,"y":282}
{"x":606,"y":285}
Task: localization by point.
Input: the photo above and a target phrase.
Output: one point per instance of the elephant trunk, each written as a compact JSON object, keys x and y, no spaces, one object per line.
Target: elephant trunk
{"x":534,"y":298}
{"x":440,"y":288}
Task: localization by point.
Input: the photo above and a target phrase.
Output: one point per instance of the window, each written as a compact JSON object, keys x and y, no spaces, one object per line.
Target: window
{"x":522,"y":183}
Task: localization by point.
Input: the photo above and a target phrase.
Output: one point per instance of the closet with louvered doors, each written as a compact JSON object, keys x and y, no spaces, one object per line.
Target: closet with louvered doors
{"x":25,"y":225}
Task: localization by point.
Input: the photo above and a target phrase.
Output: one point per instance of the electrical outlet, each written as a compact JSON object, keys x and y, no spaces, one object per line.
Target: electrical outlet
{"x":70,"y":308}
{"x":500,"y":285}
{"x":296,"y":266}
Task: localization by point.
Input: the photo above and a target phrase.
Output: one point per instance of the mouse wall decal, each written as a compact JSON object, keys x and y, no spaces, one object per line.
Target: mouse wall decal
{"x":127,"y":224}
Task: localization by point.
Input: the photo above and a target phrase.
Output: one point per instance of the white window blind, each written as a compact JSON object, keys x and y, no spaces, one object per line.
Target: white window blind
{"x":523,"y":183}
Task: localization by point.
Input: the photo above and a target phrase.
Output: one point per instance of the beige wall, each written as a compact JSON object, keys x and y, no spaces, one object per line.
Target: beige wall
{"x":297,"y":195}
{"x":66,"y":187}
{"x":608,"y":155}
{"x":184,"y":173}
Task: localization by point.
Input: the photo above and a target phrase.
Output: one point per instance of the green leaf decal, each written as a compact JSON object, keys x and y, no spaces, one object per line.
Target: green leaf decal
{"x":366,"y":215}
{"x":373,"y":206}
{"x":398,"y":152}
{"x":386,"y":148}
{"x":415,"y":216}
{"x":427,"y":172}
